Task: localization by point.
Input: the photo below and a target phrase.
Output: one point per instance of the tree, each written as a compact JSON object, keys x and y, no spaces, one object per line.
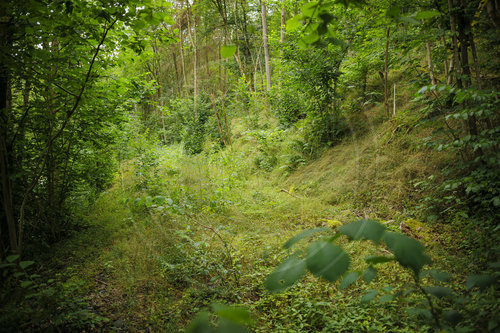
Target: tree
{"x":266,"y":46}
{"x":49,"y":72}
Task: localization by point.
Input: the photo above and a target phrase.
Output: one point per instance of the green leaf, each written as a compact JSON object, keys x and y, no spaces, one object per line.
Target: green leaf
{"x":363,"y":229}
{"x":408,"y":251}
{"x":386,"y":298}
{"x":286,"y":274}
{"x":327,"y":260}
{"x":25,"y":284}
{"x":439,"y":291}
{"x":372,"y":260}
{"x":439,"y":276}
{"x":393,"y":11}
{"x":369,"y":296}
{"x":139,"y":24}
{"x":234,"y":314}
{"x":12,"y":258}
{"x":227,"y":51}
{"x":420,"y":313}
{"x":348,"y":280}
{"x":409,"y":19}
{"x":302,"y":45}
{"x":452,"y":316}
{"x":310,"y":9}
{"x":387,"y":289}
{"x":311,"y":37}
{"x":492,"y":324}
{"x":200,"y":324}
{"x":227,"y":326}
{"x":369,"y":274}
{"x":426,"y":14}
{"x":480,"y":281}
{"x":294,"y":23}
{"x":302,"y":235}
{"x":355,"y":3}
{"x":25,"y":264}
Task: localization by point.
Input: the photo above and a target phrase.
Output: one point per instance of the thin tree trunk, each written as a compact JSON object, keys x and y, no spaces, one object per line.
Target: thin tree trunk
{"x":219,"y":58}
{"x":454,"y":43}
{"x":429,"y":63}
{"x":7,"y":194}
{"x":183,"y":66}
{"x":255,"y":70}
{"x":192,"y":37}
{"x":282,"y":27}
{"x":450,"y":70}
{"x":445,"y":61}
{"x":266,"y":46}
{"x":475,"y":61}
{"x":221,"y":7}
{"x":493,"y":8}
{"x":5,"y":151}
{"x":237,"y":54}
{"x":177,"y":79}
{"x":430,"y":66}
{"x":464,"y":28}
{"x":282,"y":41}
{"x":463,"y":37}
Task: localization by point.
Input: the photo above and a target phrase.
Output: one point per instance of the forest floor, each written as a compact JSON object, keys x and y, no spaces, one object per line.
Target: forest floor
{"x":177,"y":233}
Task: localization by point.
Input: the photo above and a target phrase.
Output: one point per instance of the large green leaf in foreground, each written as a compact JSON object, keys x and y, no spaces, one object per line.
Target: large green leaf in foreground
{"x":286,"y":274}
{"x":327,"y":260}
{"x":408,"y":251}
{"x":363,"y":229}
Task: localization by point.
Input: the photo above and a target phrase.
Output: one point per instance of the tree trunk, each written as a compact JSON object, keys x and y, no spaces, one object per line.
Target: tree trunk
{"x":445,"y":61}
{"x":183,"y":66}
{"x":5,"y":147}
{"x":429,"y":63}
{"x":475,"y":61}
{"x":219,"y":58}
{"x":454,"y":43}
{"x":266,"y":46}
{"x":463,"y":25}
{"x":192,"y":37}
{"x":464,"y":29}
{"x":430,"y":66}
{"x":493,"y":8}
{"x":282,"y":41}
{"x":176,"y":69}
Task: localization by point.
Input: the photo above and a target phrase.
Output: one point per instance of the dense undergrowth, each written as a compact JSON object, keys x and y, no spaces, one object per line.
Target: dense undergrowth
{"x":150,"y":177}
{"x":177,"y":233}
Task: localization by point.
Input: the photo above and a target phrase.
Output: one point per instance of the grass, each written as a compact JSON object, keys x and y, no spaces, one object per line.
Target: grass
{"x":147,"y":266}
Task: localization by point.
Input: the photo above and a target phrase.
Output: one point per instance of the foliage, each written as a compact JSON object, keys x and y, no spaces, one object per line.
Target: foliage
{"x":473,"y":177}
{"x":44,"y":303}
{"x":330,"y":262}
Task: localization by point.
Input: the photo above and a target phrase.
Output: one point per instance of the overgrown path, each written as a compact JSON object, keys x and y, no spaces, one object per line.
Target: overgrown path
{"x":178,"y":233}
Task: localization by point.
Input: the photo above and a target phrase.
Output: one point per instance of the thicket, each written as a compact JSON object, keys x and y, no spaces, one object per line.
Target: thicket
{"x":87,"y":87}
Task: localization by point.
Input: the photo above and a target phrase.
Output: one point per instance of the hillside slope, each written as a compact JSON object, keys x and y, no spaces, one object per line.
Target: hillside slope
{"x":182,"y":232}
